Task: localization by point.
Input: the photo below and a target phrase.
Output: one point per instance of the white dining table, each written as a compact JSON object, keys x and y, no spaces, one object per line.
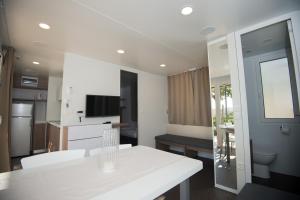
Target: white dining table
{"x":141,"y":173}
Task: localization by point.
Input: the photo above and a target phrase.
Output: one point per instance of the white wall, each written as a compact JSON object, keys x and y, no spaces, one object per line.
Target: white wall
{"x":266,"y":135}
{"x":202,"y":132}
{"x":53,"y":104}
{"x":152,"y":107}
{"x":89,"y":76}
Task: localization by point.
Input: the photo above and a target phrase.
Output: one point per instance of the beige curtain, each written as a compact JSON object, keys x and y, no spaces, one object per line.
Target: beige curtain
{"x":202,"y":104}
{"x":181,"y":102}
{"x":189,"y":98}
{"x":5,"y":107}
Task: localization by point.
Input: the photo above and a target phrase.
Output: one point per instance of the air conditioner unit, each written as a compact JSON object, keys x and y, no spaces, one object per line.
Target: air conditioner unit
{"x":29,"y":81}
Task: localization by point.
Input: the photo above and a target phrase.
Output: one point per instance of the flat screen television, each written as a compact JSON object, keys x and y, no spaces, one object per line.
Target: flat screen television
{"x":102,"y":106}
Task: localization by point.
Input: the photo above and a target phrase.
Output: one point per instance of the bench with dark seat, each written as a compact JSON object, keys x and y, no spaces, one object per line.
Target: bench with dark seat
{"x":259,"y":192}
{"x":190,"y":145}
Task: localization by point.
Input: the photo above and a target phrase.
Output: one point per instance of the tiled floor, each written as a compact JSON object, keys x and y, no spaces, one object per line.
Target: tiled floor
{"x":281,"y":182}
{"x":226,"y":174}
{"x":202,"y":186}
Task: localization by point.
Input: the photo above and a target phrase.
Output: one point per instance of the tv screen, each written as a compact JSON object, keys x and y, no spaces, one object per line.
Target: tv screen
{"x":102,"y":106}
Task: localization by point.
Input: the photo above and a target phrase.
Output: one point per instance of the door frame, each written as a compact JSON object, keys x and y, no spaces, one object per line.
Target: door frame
{"x":236,"y":56}
{"x":137,"y":101}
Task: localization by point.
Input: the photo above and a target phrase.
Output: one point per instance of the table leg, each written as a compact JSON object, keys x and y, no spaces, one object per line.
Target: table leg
{"x":185,"y":190}
{"x":227,"y":147}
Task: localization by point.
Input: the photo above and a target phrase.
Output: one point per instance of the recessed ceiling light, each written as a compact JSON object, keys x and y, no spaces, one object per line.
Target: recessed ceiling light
{"x":35,"y":62}
{"x":44,"y":26}
{"x":163,"y":65}
{"x":120,"y":51}
{"x":187,"y":10}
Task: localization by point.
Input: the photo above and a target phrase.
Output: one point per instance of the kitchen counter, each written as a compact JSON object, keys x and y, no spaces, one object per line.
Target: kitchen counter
{"x":59,"y":124}
{"x":40,"y":122}
{"x":62,"y":124}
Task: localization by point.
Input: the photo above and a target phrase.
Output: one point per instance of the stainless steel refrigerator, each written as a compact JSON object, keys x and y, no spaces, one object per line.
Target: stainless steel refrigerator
{"x":21,"y":128}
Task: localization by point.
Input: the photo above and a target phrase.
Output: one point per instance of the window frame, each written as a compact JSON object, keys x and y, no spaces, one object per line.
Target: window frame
{"x":263,"y":92}
{"x":262,"y":117}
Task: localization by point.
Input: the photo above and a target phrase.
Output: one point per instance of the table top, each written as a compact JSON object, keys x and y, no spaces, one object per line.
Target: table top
{"x":196,"y":142}
{"x":141,"y":173}
{"x":227,"y":127}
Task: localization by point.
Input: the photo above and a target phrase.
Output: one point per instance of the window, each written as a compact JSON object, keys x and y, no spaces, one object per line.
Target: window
{"x":276,"y":87}
{"x":213,"y":108}
{"x":226,"y":104}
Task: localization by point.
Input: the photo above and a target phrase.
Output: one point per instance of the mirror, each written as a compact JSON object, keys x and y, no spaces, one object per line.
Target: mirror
{"x":222,"y":115}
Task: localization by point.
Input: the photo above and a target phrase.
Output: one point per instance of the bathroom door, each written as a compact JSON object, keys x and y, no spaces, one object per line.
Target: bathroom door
{"x":273,"y":104}
{"x":129,"y":108}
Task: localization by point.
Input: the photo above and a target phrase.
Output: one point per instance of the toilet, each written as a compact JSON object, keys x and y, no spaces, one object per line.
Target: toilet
{"x":261,"y":162}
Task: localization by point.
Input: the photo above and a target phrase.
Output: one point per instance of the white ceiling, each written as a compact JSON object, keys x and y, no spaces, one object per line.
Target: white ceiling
{"x":218,"y":59}
{"x":151,"y":31}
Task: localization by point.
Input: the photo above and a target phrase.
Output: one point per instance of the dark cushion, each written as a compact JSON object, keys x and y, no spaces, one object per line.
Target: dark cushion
{"x":194,"y":142}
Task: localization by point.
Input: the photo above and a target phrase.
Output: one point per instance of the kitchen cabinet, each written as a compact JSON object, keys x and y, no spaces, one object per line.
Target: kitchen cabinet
{"x":53,"y":137}
{"x":83,"y":136}
{"x":39,"y":136}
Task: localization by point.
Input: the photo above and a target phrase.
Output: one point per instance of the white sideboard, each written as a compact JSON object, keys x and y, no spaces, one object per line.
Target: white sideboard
{"x":83,"y":136}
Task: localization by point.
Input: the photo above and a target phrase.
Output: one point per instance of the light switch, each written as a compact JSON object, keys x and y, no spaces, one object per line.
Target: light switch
{"x":0,"y":119}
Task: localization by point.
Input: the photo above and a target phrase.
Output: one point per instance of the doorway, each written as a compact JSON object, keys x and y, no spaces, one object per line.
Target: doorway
{"x":129,"y":108}
{"x":273,"y":106}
